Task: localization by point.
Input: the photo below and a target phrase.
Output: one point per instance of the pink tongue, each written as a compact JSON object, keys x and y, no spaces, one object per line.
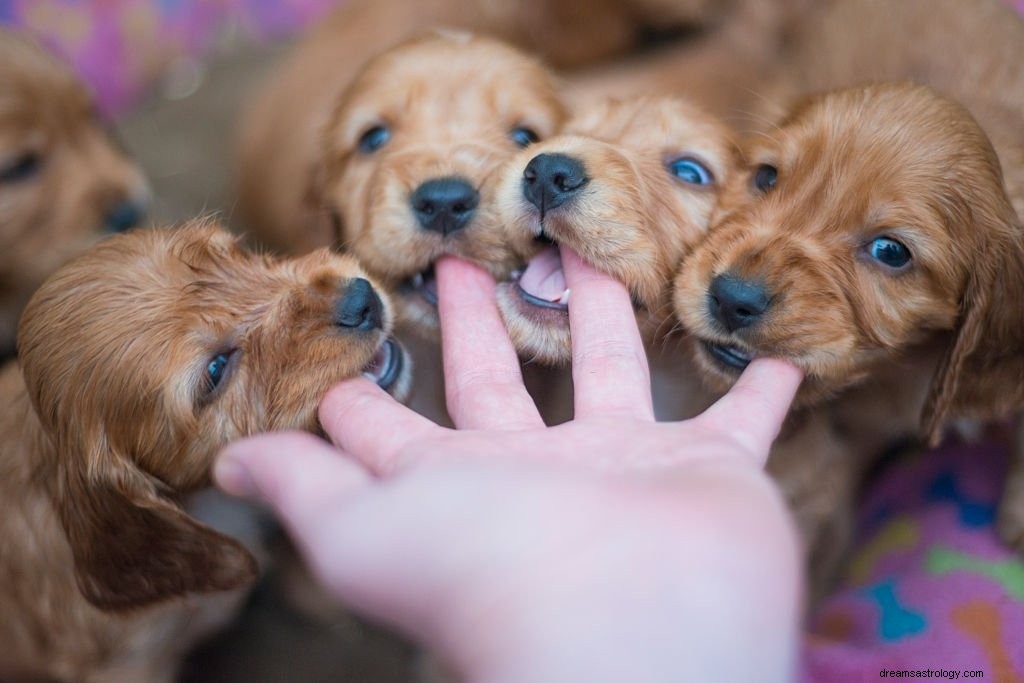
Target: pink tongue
{"x":543,"y":277}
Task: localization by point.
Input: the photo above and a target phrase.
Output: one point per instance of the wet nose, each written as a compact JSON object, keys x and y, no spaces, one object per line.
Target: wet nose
{"x":444,"y":205}
{"x":549,"y":180}
{"x":359,"y":307}
{"x":735,"y":302}
{"x":124,"y":216}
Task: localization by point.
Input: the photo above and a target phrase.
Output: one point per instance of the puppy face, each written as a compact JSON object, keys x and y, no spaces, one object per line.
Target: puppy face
{"x":630,"y":186}
{"x":150,"y":352}
{"x":870,"y":220}
{"x":63,"y":180}
{"x":411,"y":156}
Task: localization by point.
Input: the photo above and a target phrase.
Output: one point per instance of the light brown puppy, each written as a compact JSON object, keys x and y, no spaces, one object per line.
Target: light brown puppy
{"x":870,"y":241}
{"x":630,"y":186}
{"x":64,"y":181}
{"x":410,"y":158}
{"x":407,"y":164}
{"x":139,"y":360}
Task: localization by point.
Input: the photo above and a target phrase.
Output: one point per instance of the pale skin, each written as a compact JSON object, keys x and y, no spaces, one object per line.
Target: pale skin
{"x":609,"y":548}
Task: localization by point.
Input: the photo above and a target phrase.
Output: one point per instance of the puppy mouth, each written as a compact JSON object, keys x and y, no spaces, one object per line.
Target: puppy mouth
{"x":732,"y":357}
{"x":423,"y":284}
{"x":386,"y":365}
{"x":542,"y":282}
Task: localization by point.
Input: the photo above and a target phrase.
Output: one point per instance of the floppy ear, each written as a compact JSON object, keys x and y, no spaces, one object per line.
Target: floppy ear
{"x":132,"y":547}
{"x":982,"y":373}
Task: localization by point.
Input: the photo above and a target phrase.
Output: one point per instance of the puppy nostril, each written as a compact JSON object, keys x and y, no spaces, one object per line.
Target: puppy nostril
{"x":549,"y":180}
{"x":444,"y":205}
{"x":359,"y":307}
{"x":737,"y":303}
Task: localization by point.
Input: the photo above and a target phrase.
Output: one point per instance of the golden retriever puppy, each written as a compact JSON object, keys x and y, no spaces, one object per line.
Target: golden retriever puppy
{"x":871,"y":241}
{"x":63,"y":180}
{"x":629,"y":185}
{"x":408,"y":162}
{"x":139,"y":360}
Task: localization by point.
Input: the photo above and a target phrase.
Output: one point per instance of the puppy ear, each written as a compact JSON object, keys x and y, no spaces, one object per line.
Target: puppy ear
{"x":982,"y":373}
{"x":133,"y":548}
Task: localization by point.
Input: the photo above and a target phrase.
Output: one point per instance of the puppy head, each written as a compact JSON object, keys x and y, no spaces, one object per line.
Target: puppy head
{"x":147,"y":354}
{"x":64,"y":181}
{"x":630,"y":186}
{"x":871,"y":219}
{"x":410,"y":158}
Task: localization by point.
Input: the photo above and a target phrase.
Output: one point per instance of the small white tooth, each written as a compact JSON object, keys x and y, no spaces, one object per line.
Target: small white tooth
{"x":417,"y":280}
{"x":516,"y":274}
{"x":564,"y":299}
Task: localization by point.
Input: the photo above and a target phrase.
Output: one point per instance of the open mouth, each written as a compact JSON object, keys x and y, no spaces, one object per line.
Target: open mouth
{"x":423,"y":284}
{"x":542,"y":282}
{"x":386,"y":365}
{"x":731,"y":356}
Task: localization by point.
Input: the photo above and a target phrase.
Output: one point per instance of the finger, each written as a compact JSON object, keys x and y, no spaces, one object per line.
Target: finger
{"x":754,"y":409}
{"x":609,"y":364}
{"x":297,"y":474}
{"x":483,"y":381}
{"x":364,"y":421}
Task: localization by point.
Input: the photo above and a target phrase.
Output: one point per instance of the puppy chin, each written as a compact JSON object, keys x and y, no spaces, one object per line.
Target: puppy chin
{"x":538,"y":334}
{"x":720,"y":368}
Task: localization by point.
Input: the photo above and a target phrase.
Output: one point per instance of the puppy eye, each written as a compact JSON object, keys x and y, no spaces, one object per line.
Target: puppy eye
{"x":374,"y":139}
{"x":691,"y":171}
{"x":889,"y":252}
{"x":22,"y":168}
{"x":765,"y":177}
{"x":523,"y":136}
{"x":217,"y":370}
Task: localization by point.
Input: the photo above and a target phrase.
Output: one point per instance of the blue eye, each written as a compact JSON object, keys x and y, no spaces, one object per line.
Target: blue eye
{"x":374,"y":139}
{"x":765,"y":177}
{"x":889,"y":252}
{"x":215,"y":370}
{"x":522,"y":136}
{"x":691,"y":171}
{"x":22,"y":168}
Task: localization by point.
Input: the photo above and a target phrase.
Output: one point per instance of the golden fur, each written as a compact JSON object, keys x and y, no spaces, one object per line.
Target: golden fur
{"x":63,"y":180}
{"x":632,"y":218}
{"x":942,"y":332}
{"x":114,"y":415}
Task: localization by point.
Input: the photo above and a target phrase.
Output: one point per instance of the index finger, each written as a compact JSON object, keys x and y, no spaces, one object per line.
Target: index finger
{"x":609,"y":364}
{"x":755,"y":408}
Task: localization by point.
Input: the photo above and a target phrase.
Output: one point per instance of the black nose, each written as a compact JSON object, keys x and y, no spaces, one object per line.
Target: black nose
{"x":359,"y":307}
{"x":444,"y":205}
{"x":124,"y":216}
{"x":736,"y":302}
{"x":550,"y":179}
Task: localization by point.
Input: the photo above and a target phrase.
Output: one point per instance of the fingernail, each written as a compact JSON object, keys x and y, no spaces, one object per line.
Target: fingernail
{"x":233,"y":476}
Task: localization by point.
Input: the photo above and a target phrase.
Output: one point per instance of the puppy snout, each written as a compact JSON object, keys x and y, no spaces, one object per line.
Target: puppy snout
{"x":444,"y":205}
{"x":549,"y":180}
{"x":737,"y":303}
{"x":124,"y":216}
{"x":359,"y":307}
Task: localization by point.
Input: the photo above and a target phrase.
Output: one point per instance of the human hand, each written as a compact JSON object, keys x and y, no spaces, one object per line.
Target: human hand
{"x":607,"y":548}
